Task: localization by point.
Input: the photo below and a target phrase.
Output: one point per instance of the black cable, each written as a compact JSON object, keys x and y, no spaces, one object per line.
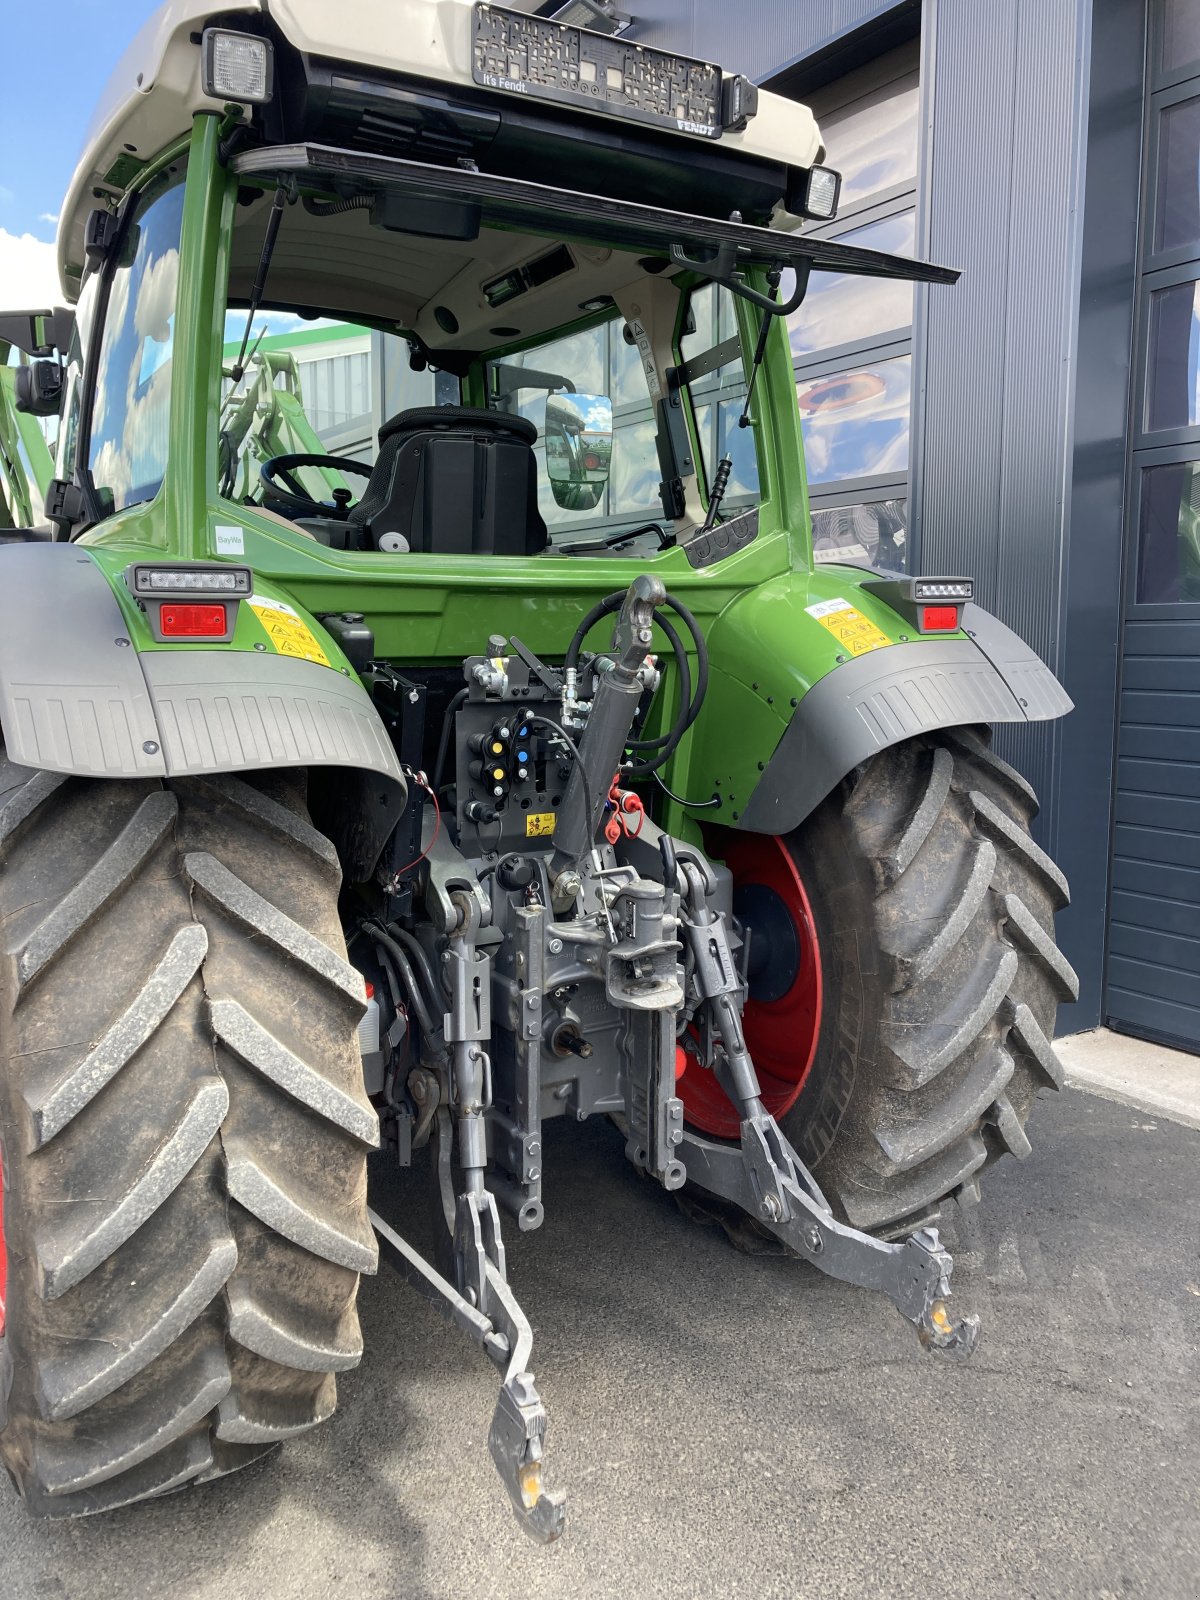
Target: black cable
{"x":602,"y":608}
{"x":396,"y":955}
{"x":684,"y":720}
{"x":693,"y":805}
{"x":260,"y":278}
{"x":561,"y":733}
{"x":685,"y":692}
{"x":439,"y":765}
{"x":421,"y":956}
{"x":335,"y":208}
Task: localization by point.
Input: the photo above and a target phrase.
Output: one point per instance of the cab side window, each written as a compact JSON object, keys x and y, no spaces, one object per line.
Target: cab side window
{"x":131,"y":413}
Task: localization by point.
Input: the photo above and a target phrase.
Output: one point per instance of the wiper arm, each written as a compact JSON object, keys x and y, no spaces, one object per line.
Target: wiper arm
{"x":771,"y":308}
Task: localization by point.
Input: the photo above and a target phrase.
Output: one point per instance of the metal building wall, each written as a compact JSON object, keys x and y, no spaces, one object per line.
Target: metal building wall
{"x":1005,"y":96}
{"x":992,"y":438}
{"x":757,"y":37}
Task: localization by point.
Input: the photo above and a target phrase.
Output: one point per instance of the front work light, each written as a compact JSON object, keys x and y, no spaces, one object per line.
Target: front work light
{"x":237,"y":66}
{"x":821,"y":194}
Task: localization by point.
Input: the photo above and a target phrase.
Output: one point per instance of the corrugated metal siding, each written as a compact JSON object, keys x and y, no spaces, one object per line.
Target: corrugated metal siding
{"x":1153,"y":951}
{"x":757,"y":40}
{"x":1001,"y":206}
{"x":1092,"y":581}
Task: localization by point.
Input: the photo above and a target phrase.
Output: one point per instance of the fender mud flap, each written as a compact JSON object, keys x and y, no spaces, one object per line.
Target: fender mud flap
{"x":890,"y":695}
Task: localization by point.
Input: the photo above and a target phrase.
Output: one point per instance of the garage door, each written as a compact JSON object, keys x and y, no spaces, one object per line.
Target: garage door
{"x":1154,"y":934}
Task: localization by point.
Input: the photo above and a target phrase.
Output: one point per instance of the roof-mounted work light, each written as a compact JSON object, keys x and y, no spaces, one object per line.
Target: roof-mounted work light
{"x":237,"y":66}
{"x":821,"y":194}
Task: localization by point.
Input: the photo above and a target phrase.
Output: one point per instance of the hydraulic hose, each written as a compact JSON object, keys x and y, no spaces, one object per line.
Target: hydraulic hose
{"x":690,"y":700}
{"x":439,"y":765}
{"x":421,"y":956}
{"x":408,"y":978}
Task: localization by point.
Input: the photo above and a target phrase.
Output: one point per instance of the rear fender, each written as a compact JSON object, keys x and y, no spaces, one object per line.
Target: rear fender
{"x":882,"y":698}
{"x":813,"y":672}
{"x":78,"y":695}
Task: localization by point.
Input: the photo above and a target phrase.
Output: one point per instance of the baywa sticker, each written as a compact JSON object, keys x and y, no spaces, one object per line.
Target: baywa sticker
{"x":287,"y":630}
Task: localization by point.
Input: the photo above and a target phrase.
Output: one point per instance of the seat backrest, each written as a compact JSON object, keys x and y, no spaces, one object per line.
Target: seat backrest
{"x":455,"y":480}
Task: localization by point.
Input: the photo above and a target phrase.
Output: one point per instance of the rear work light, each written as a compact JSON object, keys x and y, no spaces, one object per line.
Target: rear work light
{"x":821,"y":194}
{"x":931,"y":605}
{"x":190,"y":599}
{"x":237,"y":66}
{"x":190,"y":620}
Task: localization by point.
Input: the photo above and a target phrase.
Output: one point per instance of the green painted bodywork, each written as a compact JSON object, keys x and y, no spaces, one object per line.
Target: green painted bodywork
{"x":766,"y":650}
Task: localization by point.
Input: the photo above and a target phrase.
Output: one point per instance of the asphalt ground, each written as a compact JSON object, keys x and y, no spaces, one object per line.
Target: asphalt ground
{"x":728,"y":1425}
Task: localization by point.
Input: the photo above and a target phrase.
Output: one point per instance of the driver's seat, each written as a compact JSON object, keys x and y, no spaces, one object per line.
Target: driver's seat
{"x":453,"y":480}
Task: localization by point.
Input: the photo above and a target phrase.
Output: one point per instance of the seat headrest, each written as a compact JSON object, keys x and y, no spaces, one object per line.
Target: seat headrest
{"x":452,"y":418}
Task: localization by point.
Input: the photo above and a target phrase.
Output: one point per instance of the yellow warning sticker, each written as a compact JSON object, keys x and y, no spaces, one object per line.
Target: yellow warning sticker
{"x":287,"y":630}
{"x":855,"y":633}
{"x":539,"y":824}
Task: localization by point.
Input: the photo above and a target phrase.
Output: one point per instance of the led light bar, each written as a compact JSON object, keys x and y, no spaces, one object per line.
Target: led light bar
{"x":237,"y":66}
{"x":943,"y":589}
{"x":931,"y":605}
{"x":195,"y":578}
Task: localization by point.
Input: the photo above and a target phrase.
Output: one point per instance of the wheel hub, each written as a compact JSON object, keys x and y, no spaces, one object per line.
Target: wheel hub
{"x":782,"y":1017}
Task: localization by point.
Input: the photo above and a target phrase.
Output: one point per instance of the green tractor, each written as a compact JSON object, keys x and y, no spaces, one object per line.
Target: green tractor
{"x":523,"y":765}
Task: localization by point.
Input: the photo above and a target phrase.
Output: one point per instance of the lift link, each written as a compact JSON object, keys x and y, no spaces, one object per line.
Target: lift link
{"x":766,"y":1177}
{"x":517,"y":1435}
{"x":516,"y":1438}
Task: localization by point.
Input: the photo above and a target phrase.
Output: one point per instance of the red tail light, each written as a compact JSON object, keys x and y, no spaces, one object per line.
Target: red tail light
{"x":189,"y":620}
{"x":939,"y":619}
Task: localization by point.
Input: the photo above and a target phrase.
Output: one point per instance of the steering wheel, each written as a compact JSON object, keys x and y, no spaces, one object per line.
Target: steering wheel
{"x":292,"y":501}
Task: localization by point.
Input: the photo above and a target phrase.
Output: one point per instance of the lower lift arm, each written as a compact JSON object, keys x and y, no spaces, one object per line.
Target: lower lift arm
{"x":765,"y":1176}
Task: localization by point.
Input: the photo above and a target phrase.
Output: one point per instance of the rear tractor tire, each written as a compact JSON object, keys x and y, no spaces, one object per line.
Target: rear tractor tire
{"x":183,"y":1130}
{"x":906,"y":1036}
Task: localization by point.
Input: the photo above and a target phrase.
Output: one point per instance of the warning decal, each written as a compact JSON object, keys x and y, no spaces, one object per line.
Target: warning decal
{"x":855,"y":633}
{"x":287,"y":630}
{"x":539,"y":824}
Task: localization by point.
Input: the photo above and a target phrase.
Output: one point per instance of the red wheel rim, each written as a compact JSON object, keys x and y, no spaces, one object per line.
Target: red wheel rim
{"x":782,"y":1018}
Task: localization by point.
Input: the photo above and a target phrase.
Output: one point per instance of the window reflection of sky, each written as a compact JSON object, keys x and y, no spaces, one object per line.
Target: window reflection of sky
{"x":130,"y":422}
{"x":1178,"y":198}
{"x":839,"y":309}
{"x":856,"y":422}
{"x":873,"y":141}
{"x":1173,"y":390}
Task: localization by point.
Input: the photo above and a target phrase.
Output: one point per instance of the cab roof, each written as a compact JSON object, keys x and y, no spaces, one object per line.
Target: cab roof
{"x":156,"y":90}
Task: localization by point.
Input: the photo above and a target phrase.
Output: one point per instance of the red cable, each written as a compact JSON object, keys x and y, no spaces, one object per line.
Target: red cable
{"x":419,"y":777}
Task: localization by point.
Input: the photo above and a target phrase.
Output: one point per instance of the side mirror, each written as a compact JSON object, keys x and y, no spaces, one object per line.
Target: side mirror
{"x":38,"y":388}
{"x":578,"y":436}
